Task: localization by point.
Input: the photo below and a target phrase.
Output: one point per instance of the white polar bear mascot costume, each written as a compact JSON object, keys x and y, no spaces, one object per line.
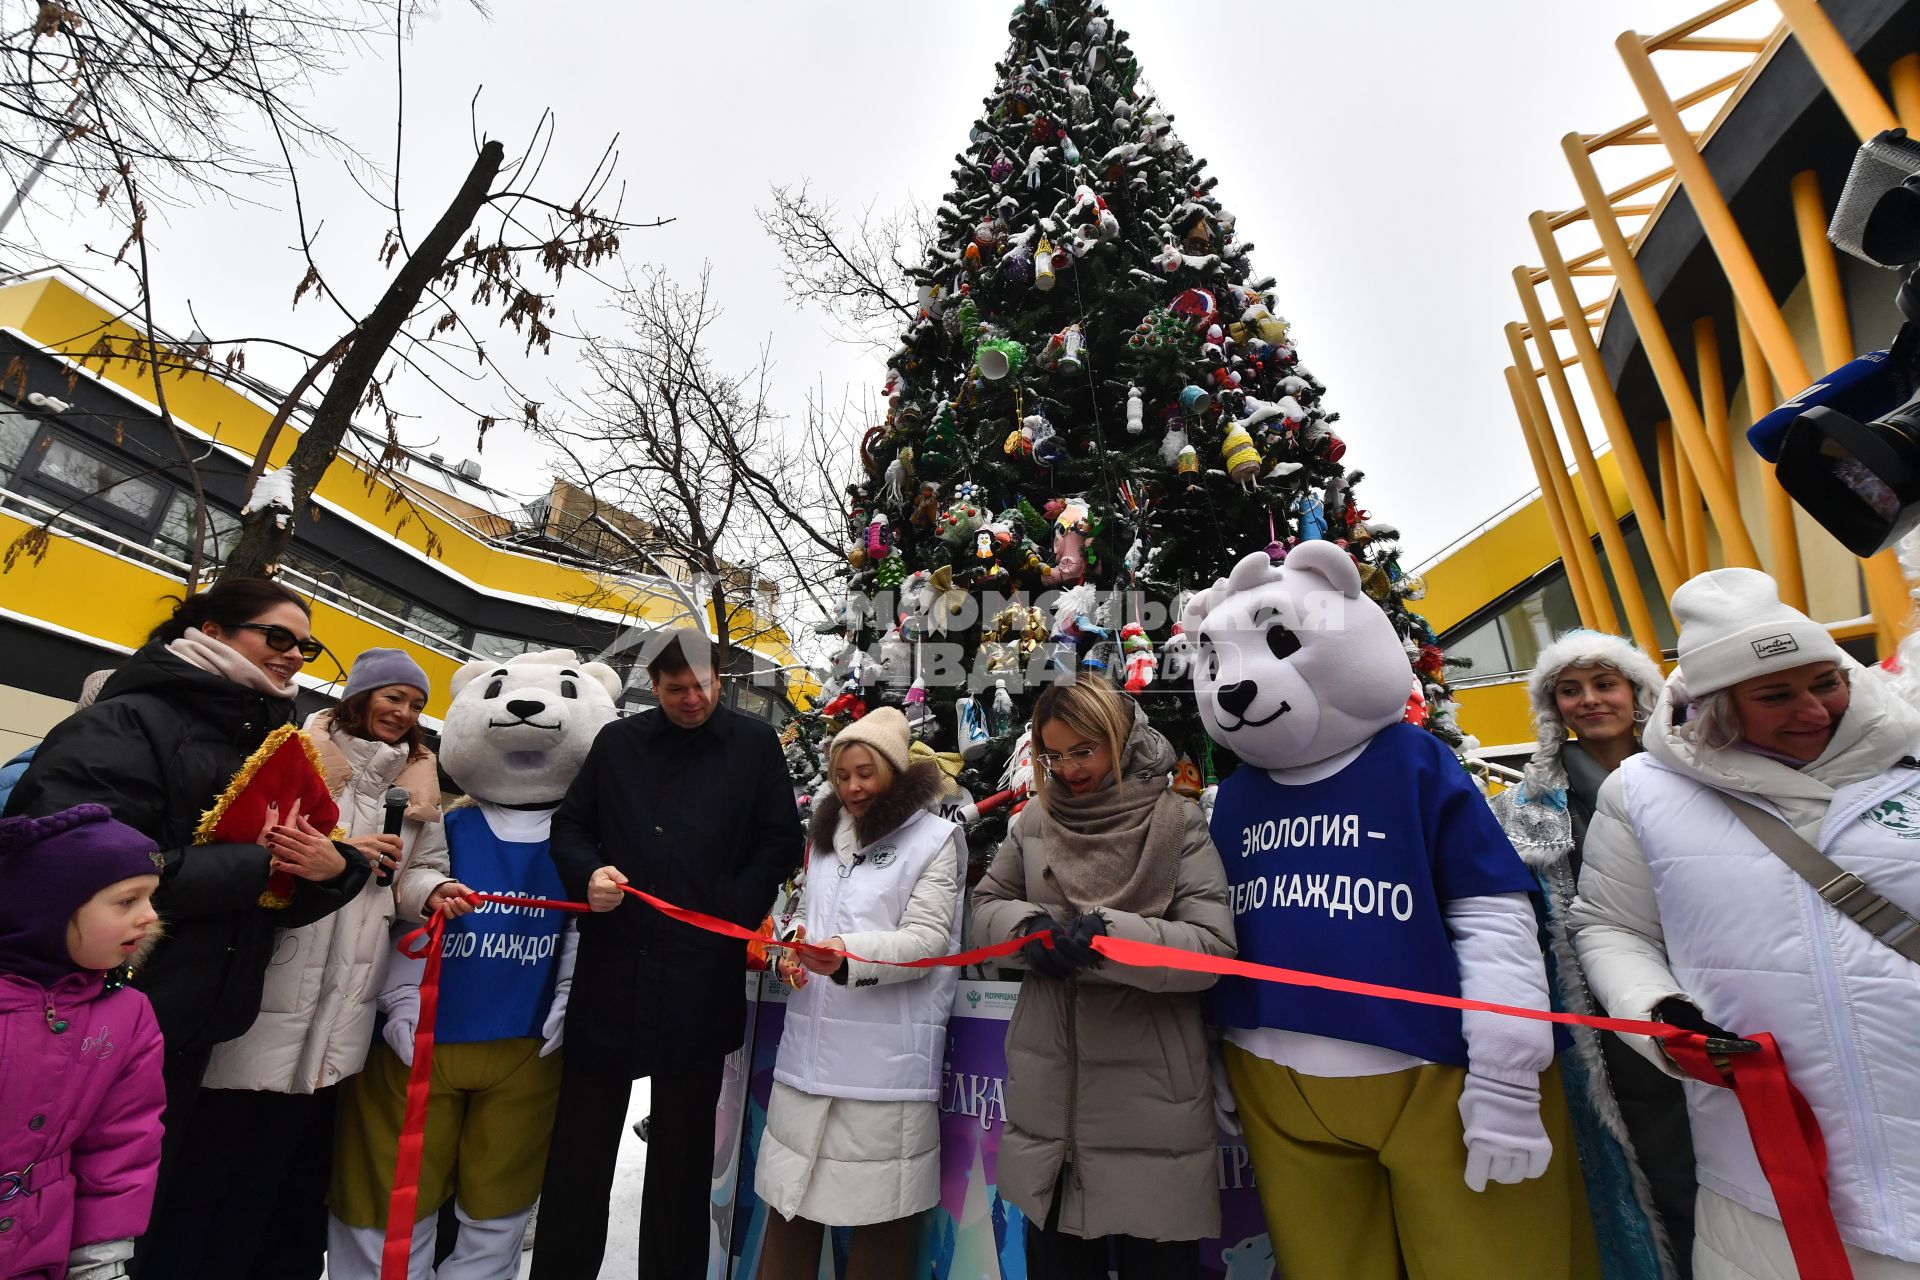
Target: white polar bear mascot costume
{"x":1388,"y":1139}
{"x":516,"y":734}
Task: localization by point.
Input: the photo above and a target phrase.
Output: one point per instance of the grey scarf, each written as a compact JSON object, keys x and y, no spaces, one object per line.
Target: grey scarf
{"x":1119,"y":846}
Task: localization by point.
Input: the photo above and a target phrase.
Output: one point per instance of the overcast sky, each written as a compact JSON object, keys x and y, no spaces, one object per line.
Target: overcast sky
{"x":1382,"y":155}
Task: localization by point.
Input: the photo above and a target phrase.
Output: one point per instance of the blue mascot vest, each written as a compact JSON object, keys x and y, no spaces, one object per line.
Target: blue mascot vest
{"x":497,"y":971}
{"x":1348,"y":877}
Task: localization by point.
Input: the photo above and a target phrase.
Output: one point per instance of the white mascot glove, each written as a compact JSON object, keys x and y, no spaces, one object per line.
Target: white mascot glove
{"x":1506,"y":1142}
{"x":403,"y":1015}
{"x":1226,"y":1112}
{"x":555,"y":1027}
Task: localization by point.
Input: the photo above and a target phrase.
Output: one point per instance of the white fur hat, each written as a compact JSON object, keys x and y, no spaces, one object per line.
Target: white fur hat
{"x":1580,"y":648}
{"x":1733,"y":627}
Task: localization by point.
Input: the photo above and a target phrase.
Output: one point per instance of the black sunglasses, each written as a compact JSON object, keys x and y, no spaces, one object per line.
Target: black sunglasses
{"x":281,"y":640}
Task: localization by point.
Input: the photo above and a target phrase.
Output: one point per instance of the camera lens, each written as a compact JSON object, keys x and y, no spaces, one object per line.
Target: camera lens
{"x":1861,"y":481}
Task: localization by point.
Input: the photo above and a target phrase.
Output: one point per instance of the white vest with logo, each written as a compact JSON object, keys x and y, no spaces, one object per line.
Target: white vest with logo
{"x":1758,"y":950}
{"x":883,"y":1042}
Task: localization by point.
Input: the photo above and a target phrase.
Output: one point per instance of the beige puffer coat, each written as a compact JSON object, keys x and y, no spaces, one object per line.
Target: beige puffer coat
{"x":1108,"y":1068}
{"x":317,"y":1010}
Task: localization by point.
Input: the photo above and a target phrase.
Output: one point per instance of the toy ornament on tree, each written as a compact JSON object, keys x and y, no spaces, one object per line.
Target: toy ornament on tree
{"x":1355,"y":846}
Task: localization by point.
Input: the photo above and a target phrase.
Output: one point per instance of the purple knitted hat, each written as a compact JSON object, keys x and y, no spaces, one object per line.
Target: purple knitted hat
{"x":49,"y":867}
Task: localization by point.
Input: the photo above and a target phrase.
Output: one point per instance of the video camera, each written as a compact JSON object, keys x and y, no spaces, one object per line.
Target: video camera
{"x":1848,"y":447}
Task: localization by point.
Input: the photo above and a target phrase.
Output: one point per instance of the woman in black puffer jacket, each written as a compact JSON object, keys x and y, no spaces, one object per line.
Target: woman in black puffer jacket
{"x":167,"y":735}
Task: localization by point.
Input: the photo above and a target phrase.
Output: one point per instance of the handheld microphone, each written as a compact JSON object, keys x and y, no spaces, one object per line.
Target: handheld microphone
{"x":1864,"y":388}
{"x":397,"y":801}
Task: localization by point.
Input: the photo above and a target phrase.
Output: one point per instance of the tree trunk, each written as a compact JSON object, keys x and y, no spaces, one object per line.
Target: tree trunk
{"x":262,"y":539}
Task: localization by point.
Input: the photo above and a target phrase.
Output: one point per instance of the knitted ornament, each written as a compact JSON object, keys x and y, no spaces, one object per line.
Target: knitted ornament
{"x":1241,"y":458}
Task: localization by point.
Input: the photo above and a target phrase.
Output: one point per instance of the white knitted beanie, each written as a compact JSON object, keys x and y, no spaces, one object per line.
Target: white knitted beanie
{"x":1733,"y":627}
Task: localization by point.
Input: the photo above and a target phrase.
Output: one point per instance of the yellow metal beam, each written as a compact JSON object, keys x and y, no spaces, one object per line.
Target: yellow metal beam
{"x":1713,"y":390}
{"x":1577,"y":523}
{"x":1783,"y":536}
{"x":1715,"y":483}
{"x":1668,"y":458}
{"x":1852,"y":88}
{"x":1886,"y":581}
{"x":1692,"y":518}
{"x":1646,"y":508}
{"x":1550,"y":499}
{"x":1903,"y":77}
{"x":1625,"y":580}
{"x":1823,"y":272}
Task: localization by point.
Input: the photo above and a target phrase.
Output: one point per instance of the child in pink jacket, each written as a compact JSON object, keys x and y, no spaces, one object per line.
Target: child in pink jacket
{"x":80,"y":1088}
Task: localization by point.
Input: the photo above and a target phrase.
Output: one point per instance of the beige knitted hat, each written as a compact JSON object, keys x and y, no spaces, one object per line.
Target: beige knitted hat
{"x":884,"y":730}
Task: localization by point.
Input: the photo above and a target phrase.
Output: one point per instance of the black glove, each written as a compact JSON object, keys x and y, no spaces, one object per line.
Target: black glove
{"x":1078,"y":948}
{"x":1046,"y":961}
{"x":1676,"y":1012}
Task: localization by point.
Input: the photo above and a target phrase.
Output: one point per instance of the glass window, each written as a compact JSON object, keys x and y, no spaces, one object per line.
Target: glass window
{"x":1482,"y":647}
{"x":17,"y":431}
{"x":102,"y":483}
{"x":175,"y":535}
{"x":501,"y":648}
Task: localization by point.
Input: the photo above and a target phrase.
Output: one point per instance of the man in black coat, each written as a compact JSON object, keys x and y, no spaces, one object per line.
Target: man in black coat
{"x":692,"y":803}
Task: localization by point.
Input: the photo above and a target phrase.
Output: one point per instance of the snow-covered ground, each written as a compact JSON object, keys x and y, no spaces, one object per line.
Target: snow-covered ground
{"x":623,"y":1214}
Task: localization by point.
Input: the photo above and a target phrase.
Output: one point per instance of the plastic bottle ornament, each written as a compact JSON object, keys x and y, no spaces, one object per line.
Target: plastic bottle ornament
{"x":1310,"y":517}
{"x":1416,"y":713}
{"x":1070,"y":530}
{"x":1241,"y":458}
{"x":930,"y":301}
{"x":959,"y":521}
{"x":1188,"y":464}
{"x":1336,"y":448}
{"x":1016,"y":269}
{"x":891,"y":572}
{"x":1048,"y":449}
{"x":1411,"y":586}
{"x":972,"y":256}
{"x":1176,"y":655}
{"x":999,"y":357}
{"x":1136,"y":412}
{"x":1073,"y":347}
{"x":1196,"y":305}
{"x":1141,"y":664}
{"x":1002,"y":714}
{"x":1195,"y":401}
{"x":985,"y":236}
{"x":1043,"y":273}
{"x":879,"y":543}
{"x":919,"y":714}
{"x":999,"y":169}
{"x":1172,"y":445}
{"x":970,"y":728}
{"x":1068,"y":151}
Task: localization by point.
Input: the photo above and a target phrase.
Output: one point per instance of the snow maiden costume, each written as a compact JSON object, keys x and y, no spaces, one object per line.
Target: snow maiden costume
{"x":1387,"y":1139}
{"x":1629,"y":1119}
{"x":515,"y":736}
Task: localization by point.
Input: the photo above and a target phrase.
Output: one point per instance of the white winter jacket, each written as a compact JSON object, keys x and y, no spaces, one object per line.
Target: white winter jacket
{"x":1677,"y":898}
{"x":317,"y":1007}
{"x":882,"y":1034}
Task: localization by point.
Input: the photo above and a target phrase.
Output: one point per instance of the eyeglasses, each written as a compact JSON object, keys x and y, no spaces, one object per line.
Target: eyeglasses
{"x":1052,"y":760}
{"x":282,"y":640}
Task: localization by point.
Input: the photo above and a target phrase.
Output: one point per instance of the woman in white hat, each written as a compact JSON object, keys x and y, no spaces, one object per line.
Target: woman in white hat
{"x":1687,"y":914}
{"x":1630,"y":1119}
{"x":853,"y":1127}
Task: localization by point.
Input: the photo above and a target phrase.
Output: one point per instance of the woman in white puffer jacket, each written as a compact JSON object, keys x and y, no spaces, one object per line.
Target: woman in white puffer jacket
{"x":272,"y":1089}
{"x":853,"y":1128}
{"x":1686,"y":917}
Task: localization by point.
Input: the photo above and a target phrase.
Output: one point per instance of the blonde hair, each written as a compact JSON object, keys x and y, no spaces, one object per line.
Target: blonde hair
{"x":1090,"y":707}
{"x":881,"y":765}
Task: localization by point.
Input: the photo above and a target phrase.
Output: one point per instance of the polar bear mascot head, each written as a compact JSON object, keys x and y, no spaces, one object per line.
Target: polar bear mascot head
{"x":1294,"y":662}
{"x":519,"y":730}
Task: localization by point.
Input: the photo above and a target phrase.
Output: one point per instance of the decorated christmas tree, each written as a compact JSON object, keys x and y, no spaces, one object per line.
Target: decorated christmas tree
{"x":1097,"y":409}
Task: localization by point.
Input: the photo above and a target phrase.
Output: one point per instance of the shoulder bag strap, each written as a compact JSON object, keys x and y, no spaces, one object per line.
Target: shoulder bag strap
{"x":1843,"y":890}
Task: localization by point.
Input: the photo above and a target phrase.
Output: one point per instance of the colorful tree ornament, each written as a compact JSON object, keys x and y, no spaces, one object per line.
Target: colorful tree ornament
{"x":1141,"y":665}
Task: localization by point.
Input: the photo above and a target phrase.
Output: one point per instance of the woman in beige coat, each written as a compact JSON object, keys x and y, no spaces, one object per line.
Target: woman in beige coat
{"x":1110,"y":1129}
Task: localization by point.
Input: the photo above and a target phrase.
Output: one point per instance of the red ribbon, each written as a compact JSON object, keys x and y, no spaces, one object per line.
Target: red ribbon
{"x":425,"y":941}
{"x":1785,"y":1134}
